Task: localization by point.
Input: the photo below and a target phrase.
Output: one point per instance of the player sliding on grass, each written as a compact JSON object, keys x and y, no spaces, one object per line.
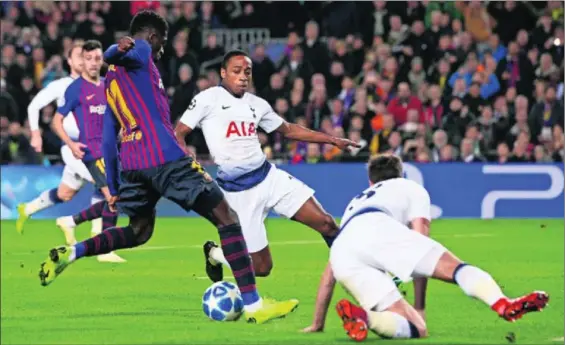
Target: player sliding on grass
{"x":230,"y":117}
{"x":375,"y":239}
{"x":154,"y":165}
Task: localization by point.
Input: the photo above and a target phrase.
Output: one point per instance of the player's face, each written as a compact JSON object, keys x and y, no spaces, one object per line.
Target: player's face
{"x":92,"y":62}
{"x":75,"y":61}
{"x":158,"y":43}
{"x":237,"y":75}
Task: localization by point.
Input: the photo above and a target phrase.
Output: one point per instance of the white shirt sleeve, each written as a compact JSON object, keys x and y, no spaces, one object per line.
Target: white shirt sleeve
{"x":41,"y":100}
{"x":269,"y":120}
{"x":197,"y":110}
{"x":420,"y":204}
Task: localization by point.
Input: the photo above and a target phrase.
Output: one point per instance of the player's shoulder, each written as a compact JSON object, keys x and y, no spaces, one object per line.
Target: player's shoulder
{"x":75,"y":86}
{"x":414,"y":189}
{"x":62,"y":82}
{"x":209,"y":96}
{"x":255,"y":99}
{"x":257,"y":102}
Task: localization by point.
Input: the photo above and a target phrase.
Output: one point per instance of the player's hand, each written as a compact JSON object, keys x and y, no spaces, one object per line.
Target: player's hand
{"x":36,"y":141}
{"x":125,"y":43}
{"x":77,"y":149}
{"x":313,"y":329}
{"x":343,"y":143}
{"x":112,"y":203}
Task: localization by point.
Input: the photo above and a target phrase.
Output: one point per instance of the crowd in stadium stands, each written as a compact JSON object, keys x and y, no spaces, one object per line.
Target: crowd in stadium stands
{"x":430,"y":81}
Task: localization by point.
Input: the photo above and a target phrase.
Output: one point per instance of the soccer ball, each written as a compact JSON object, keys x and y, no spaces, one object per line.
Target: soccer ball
{"x":222,"y":302}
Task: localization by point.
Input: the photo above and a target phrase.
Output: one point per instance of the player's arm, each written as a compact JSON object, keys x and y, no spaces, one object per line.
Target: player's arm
{"x":110,"y":150}
{"x":70,"y":102}
{"x":128,"y":53}
{"x":420,"y":215}
{"x":296,"y":132}
{"x":323,"y":299}
{"x":196,"y":111}
{"x":41,"y":100}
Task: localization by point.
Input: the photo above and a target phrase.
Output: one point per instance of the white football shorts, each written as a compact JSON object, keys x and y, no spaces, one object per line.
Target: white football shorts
{"x":75,"y":173}
{"x":373,"y":245}
{"x":279,"y":192}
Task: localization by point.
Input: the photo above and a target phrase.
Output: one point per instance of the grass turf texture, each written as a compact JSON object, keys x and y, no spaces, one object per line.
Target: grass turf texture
{"x":156,"y":296}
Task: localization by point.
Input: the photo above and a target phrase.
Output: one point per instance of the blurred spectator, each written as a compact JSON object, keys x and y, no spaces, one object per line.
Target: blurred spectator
{"x":183,"y":93}
{"x":263,"y":67}
{"x":468,"y":152}
{"x":400,"y":105}
{"x":545,"y":115}
{"x":211,"y":51}
{"x":421,"y":79}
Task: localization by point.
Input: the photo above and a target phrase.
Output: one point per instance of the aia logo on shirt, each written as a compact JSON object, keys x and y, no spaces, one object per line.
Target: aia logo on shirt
{"x":241,"y":129}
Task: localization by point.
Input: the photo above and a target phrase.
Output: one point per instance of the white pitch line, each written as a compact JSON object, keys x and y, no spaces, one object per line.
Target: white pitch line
{"x":281,"y":243}
{"x":558,"y":339}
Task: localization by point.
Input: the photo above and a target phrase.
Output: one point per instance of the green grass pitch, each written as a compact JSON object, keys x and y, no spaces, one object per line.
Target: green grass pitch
{"x":156,"y":296}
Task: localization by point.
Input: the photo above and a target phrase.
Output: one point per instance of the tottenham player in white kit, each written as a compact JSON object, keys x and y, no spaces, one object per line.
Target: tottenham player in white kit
{"x":75,"y":173}
{"x":229,"y":118}
{"x":375,"y":240}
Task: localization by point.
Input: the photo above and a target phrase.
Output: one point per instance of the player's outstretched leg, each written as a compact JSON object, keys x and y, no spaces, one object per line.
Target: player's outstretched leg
{"x":135,"y":234}
{"x":256,"y":309}
{"x":98,"y":210}
{"x":311,"y":213}
{"x":479,"y":284}
{"x":46,"y":199}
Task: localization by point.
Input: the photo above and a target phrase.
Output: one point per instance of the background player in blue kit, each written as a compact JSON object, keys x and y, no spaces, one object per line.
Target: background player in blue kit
{"x":85,"y":98}
{"x":153,"y":164}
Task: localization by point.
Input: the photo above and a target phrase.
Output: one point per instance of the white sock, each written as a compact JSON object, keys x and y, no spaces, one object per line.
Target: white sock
{"x":41,"y":202}
{"x":479,"y":284}
{"x":96,"y":226}
{"x":73,"y":255}
{"x":389,"y":325}
{"x":69,"y":220}
{"x":254,"y":306}
{"x":217,"y":257}
{"x":96,"y":223}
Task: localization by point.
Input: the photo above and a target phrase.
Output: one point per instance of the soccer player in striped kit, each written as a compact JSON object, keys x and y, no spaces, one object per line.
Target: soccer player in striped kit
{"x":75,"y":173}
{"x":153,"y":165}
{"x":85,"y":98}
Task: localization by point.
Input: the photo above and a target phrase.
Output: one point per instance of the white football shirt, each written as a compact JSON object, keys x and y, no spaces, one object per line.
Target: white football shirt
{"x":402,"y":199}
{"x":229,"y":125}
{"x":55,"y":90}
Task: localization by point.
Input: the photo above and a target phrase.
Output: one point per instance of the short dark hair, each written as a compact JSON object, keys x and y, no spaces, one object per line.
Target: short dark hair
{"x":147,"y":19}
{"x":384,"y":167}
{"x":91,"y":45}
{"x":230,"y":54}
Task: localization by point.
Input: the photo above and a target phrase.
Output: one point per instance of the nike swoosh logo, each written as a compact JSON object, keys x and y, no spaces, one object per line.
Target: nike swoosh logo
{"x":89,"y":97}
{"x":224,"y":107}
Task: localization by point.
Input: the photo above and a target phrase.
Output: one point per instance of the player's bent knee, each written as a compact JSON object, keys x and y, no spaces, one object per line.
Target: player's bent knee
{"x":143,"y":228}
{"x":65,"y":193}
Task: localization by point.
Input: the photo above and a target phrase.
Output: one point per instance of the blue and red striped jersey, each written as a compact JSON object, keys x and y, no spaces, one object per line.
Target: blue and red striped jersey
{"x":87,"y":102}
{"x":138,"y":99}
